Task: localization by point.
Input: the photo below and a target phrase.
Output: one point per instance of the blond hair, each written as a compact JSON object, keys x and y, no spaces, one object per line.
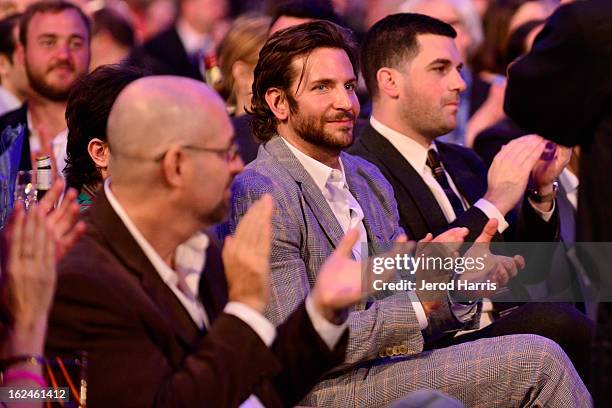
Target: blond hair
{"x":242,"y":42}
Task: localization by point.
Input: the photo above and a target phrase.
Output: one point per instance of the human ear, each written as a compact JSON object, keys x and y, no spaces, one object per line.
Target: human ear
{"x":277,"y":102}
{"x":388,"y":82}
{"x":173,"y":166}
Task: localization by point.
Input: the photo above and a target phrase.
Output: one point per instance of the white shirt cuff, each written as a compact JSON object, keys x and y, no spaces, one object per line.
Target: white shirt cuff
{"x":330,"y":333}
{"x":545,"y":215}
{"x":260,"y":325}
{"x":418,"y":310}
{"x":491,"y":211}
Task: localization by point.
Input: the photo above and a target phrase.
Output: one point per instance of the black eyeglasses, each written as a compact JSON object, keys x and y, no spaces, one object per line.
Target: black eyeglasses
{"x":229,"y":154}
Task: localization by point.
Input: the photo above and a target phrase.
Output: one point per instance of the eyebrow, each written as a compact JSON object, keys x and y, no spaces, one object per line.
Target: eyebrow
{"x":53,"y":35}
{"x":328,"y":81}
{"x":445,"y":62}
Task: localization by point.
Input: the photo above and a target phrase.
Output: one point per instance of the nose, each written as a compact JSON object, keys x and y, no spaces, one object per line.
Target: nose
{"x":345,"y":99}
{"x":236,"y":164}
{"x":63,"y":51}
{"x":458,"y":83}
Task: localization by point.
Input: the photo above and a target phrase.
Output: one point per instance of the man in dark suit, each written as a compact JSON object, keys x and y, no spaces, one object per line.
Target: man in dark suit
{"x":182,"y":48}
{"x":562,"y":90}
{"x":128,"y":291}
{"x":438,"y":185}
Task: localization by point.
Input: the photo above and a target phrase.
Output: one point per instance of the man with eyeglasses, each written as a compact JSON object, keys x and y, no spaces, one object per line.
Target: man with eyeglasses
{"x":166,"y":319}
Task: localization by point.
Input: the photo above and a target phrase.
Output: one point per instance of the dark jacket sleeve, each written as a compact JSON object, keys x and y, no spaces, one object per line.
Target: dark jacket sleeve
{"x":304,"y":356}
{"x":548,"y":90}
{"x":135,"y":358}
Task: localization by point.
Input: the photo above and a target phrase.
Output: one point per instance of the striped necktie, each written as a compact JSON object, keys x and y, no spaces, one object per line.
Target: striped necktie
{"x":433,"y":161}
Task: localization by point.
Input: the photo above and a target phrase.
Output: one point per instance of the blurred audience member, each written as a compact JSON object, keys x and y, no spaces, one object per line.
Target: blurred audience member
{"x":87,"y":111}
{"x":55,"y":50}
{"x":501,"y":18}
{"x":183,"y":48}
{"x":379,"y":9}
{"x":491,"y":139}
{"x":293,"y":12}
{"x":458,"y":13}
{"x":13,"y":80}
{"x":8,"y":8}
{"x":30,"y":246}
{"x":112,"y":38}
{"x":238,"y":53}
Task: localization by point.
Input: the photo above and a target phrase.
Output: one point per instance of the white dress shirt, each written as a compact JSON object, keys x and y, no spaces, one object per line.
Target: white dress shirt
{"x":193,"y":41}
{"x":58,"y":145}
{"x":189,"y":259}
{"x":324,"y":175}
{"x":8,"y":101}
{"x":196,"y":44}
{"x":570,"y":183}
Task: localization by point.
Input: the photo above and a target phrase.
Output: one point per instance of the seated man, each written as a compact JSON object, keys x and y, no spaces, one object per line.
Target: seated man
{"x":412,"y":68}
{"x":304,"y":107}
{"x":144,"y":291}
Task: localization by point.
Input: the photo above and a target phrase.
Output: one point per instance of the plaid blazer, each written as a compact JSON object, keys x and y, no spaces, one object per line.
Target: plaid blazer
{"x":306,"y":232}
{"x":384,"y":359}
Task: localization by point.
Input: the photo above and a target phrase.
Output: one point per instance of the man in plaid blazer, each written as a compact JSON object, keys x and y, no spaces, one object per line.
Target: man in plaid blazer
{"x":304,"y":108}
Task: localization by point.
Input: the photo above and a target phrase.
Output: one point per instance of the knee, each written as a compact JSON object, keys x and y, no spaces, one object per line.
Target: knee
{"x":562,"y":323}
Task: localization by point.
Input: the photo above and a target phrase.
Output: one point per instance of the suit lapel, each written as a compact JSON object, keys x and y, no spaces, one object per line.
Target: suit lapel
{"x":362,"y":193}
{"x":128,"y":252}
{"x":312,"y":195}
{"x":213,"y":286}
{"x":428,"y":211}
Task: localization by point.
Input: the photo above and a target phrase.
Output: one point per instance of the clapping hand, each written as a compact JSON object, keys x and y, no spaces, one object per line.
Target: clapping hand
{"x":497,"y":270}
{"x":340,"y":282}
{"x":246,"y":256}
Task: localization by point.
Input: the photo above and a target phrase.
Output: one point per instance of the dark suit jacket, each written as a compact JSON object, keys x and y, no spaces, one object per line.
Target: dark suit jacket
{"x":13,"y":119}
{"x":562,"y":90}
{"x":164,"y":54}
{"x":145,"y":350}
{"x":244,"y":137}
{"x":418,"y":208}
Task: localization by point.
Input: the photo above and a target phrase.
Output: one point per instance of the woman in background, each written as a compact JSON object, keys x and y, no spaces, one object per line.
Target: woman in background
{"x":238,"y":53}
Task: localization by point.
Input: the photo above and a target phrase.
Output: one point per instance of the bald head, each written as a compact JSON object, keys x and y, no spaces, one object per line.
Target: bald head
{"x":153,"y":113}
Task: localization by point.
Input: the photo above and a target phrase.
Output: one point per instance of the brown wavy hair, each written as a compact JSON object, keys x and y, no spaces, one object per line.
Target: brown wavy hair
{"x":275,"y":70}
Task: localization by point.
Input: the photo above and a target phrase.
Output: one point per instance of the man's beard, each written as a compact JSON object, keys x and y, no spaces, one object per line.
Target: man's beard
{"x":313,"y":131}
{"x":39,"y":84}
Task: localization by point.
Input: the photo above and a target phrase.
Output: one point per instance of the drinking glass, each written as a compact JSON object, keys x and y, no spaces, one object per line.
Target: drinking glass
{"x":25,"y":188}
